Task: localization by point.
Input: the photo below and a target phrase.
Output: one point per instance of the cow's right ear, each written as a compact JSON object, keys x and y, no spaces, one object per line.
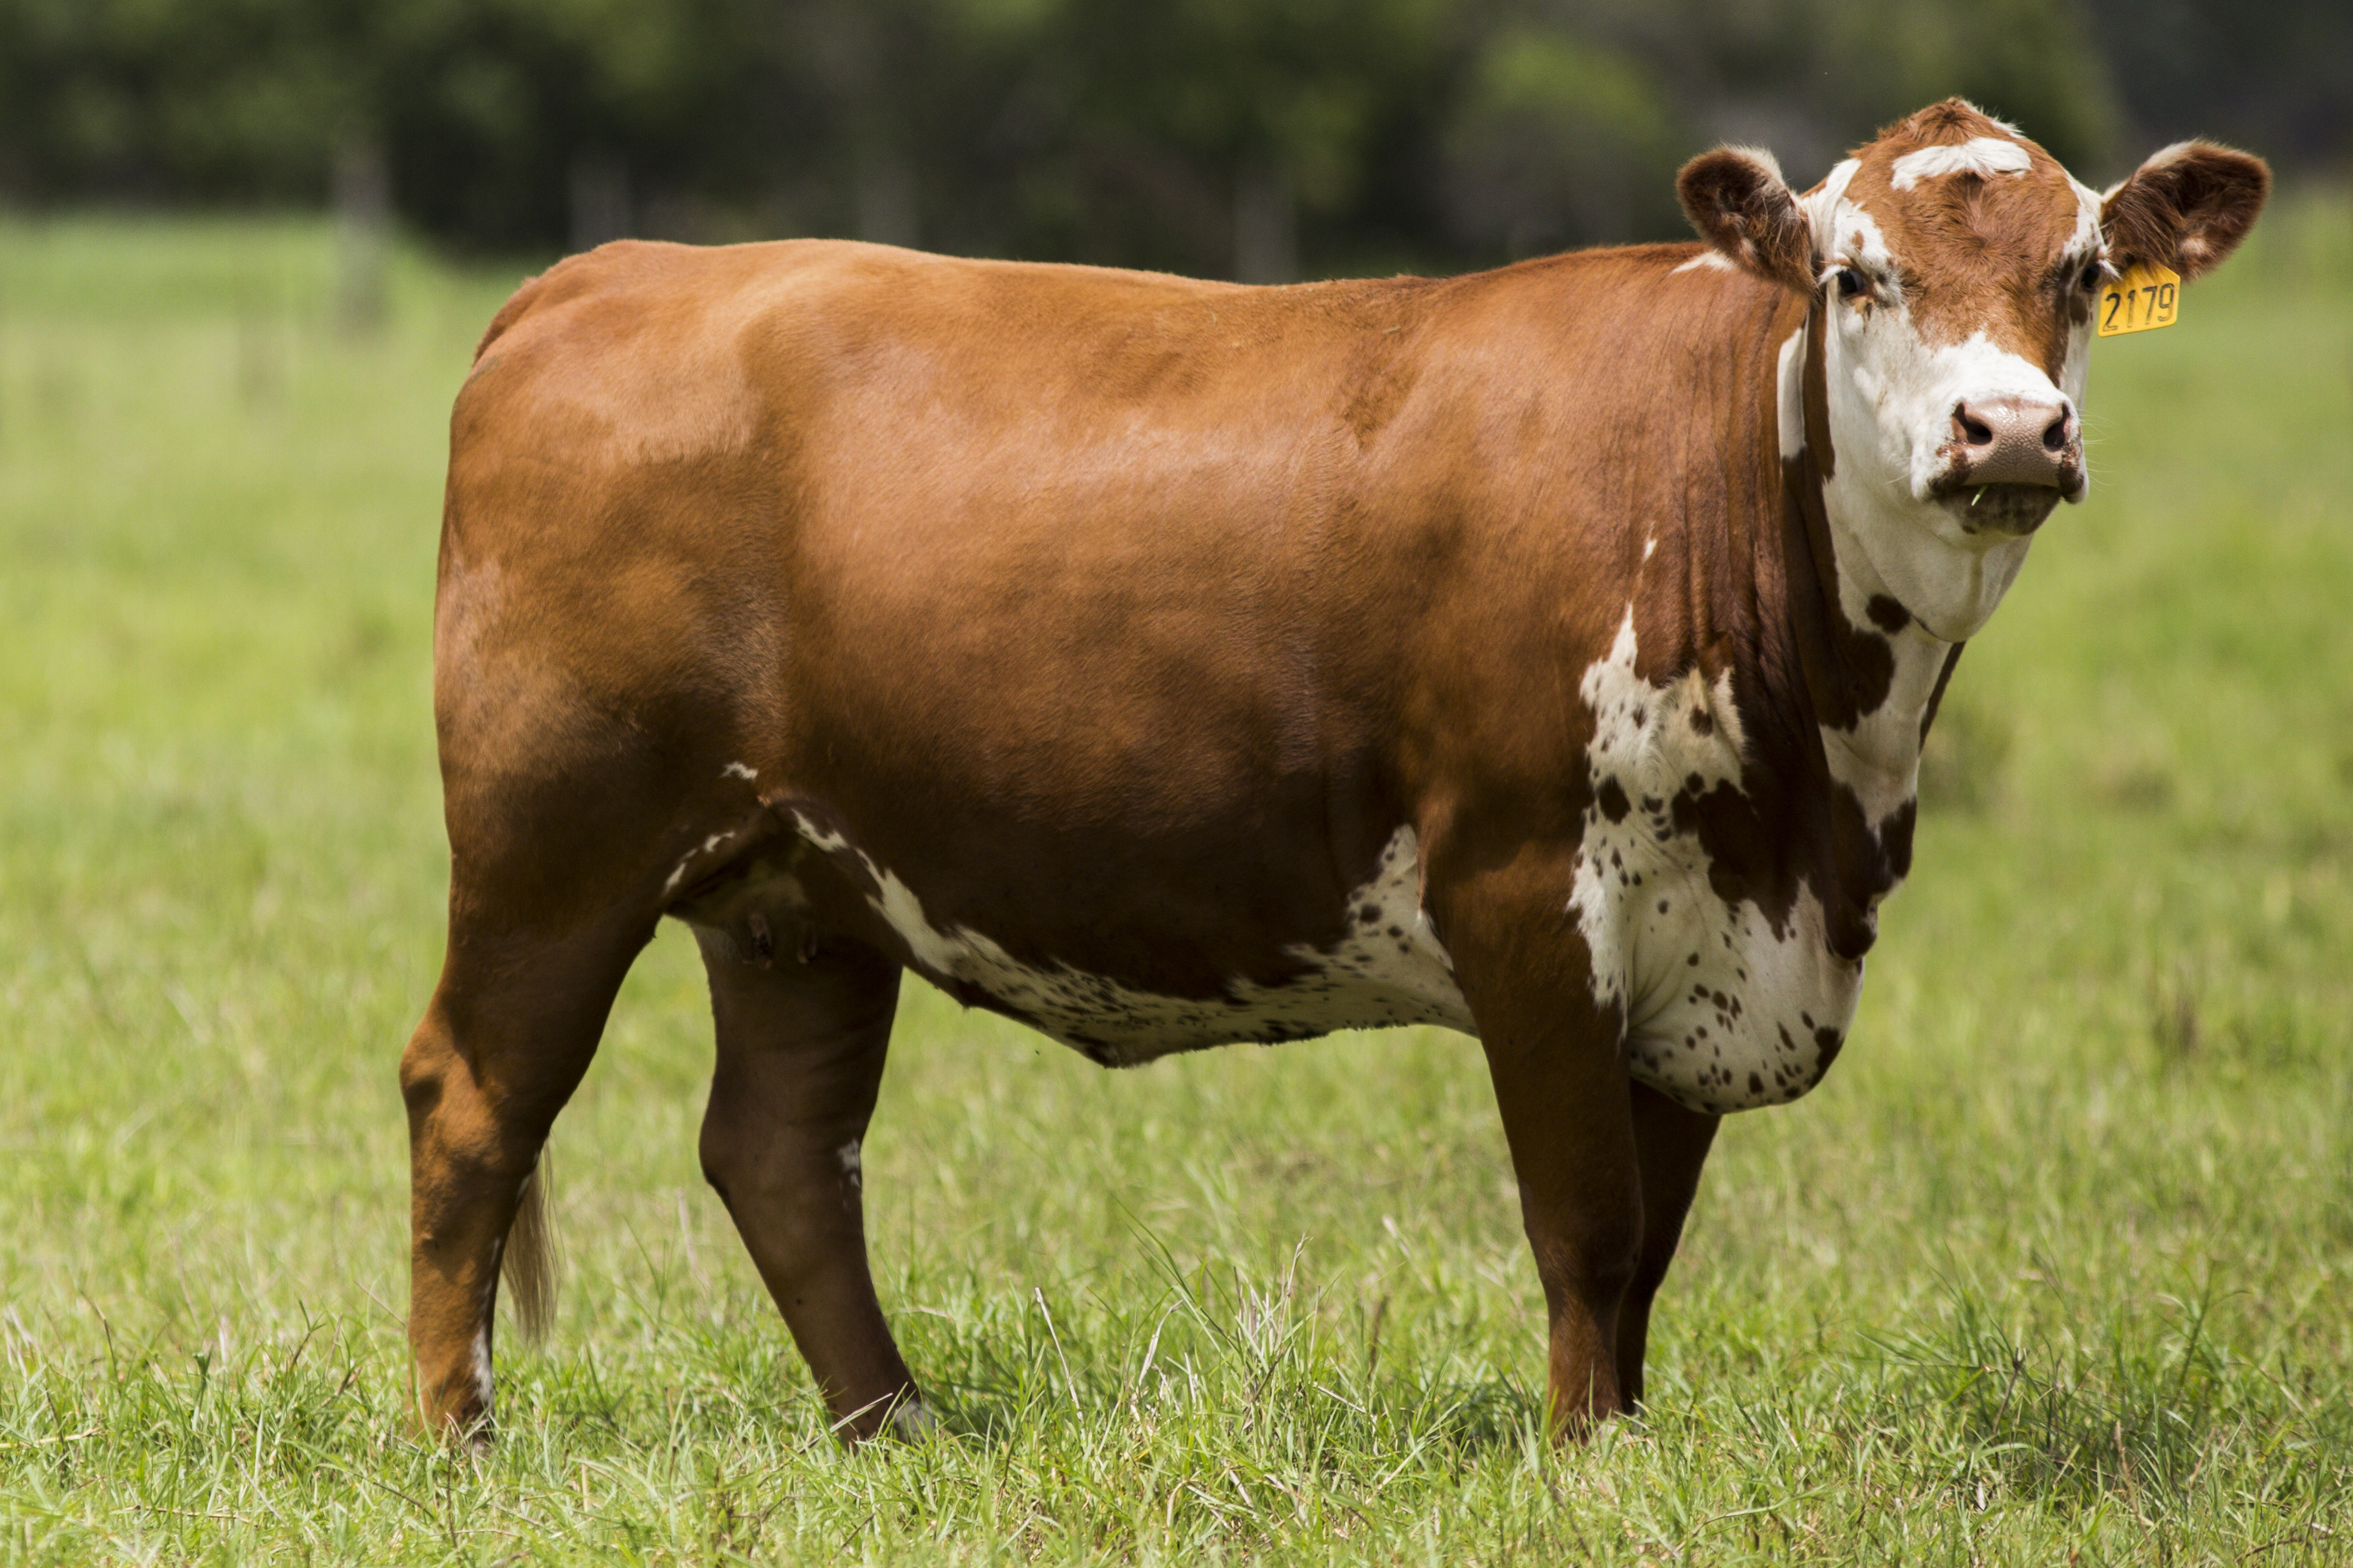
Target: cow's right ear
{"x":1737,"y":200}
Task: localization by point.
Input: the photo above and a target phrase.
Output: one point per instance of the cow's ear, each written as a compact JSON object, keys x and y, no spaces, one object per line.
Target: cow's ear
{"x":2187,"y":208}
{"x":1737,"y":200}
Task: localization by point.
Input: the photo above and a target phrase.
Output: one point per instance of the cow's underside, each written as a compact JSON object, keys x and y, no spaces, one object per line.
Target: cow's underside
{"x":1727,"y":1011}
{"x":1386,"y":969}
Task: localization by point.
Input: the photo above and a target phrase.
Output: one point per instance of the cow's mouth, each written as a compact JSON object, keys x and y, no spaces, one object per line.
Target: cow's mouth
{"x":2011,"y":508}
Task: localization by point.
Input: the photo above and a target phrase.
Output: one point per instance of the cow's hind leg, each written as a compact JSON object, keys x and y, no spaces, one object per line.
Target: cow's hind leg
{"x":511,"y":1028}
{"x":801,"y":1047}
{"x":1671,"y":1144}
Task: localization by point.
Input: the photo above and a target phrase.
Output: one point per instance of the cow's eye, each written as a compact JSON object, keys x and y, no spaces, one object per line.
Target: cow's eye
{"x":1851,"y":282}
{"x":2091,"y":278}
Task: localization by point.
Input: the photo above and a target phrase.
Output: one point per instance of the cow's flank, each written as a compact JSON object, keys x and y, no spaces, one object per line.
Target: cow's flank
{"x":1544,"y":653}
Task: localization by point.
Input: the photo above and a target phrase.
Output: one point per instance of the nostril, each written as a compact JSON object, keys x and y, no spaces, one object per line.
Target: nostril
{"x":1974,"y":431}
{"x":2054,"y":434}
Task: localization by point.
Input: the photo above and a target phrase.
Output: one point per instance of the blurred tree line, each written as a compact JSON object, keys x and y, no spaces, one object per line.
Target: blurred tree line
{"x":1262,"y":139}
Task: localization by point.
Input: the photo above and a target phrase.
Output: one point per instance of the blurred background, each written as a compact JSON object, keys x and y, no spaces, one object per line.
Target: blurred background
{"x":1258,"y":139}
{"x":2075,"y":1217}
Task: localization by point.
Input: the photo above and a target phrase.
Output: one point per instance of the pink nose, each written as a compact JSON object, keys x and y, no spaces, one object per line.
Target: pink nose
{"x":2017,"y":441}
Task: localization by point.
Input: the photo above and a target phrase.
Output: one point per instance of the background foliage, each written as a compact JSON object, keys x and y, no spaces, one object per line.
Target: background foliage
{"x":1263,"y":138}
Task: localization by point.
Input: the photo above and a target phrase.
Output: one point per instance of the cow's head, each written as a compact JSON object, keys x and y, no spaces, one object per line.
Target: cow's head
{"x":1954,"y":267}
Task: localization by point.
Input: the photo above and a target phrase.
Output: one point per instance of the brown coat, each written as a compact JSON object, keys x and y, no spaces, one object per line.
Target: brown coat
{"x":1162,"y":663}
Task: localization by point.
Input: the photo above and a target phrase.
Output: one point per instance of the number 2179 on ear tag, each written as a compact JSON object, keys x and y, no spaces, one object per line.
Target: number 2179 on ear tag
{"x":2142,"y":300}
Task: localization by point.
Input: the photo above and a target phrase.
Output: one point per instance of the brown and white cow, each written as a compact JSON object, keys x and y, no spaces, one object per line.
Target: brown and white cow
{"x":1544,"y":653}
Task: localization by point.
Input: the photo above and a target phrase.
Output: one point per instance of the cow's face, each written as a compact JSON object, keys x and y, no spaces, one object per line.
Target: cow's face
{"x":1955,"y":267}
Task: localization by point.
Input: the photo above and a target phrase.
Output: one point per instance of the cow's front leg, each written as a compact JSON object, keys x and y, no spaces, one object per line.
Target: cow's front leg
{"x":1564,"y":1114}
{"x":1671,"y":1144}
{"x":1561,"y":1086}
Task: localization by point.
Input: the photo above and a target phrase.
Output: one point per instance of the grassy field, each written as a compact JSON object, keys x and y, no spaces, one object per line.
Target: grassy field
{"x":2056,"y":1267}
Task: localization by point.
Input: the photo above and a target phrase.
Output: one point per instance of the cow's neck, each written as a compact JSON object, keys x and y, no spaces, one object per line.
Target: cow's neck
{"x":1878,"y":755}
{"x":1874,"y":671}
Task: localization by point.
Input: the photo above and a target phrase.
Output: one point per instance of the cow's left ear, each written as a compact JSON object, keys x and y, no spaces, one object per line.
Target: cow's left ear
{"x":2187,"y":208}
{"x":1737,"y":200}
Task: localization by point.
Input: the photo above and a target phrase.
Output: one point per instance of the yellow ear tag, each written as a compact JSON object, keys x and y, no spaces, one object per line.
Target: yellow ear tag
{"x":2142,"y":300}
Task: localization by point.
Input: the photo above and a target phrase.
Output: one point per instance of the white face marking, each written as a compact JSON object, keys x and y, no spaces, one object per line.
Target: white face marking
{"x":853,"y":1165}
{"x":2086,"y":246}
{"x":1984,"y":155}
{"x":739,"y":770}
{"x":1722,"y":1012}
{"x":1891,"y":402}
{"x":1709,"y":261}
{"x":1390,"y":969}
{"x":1648,"y":546}
{"x":1891,"y":398}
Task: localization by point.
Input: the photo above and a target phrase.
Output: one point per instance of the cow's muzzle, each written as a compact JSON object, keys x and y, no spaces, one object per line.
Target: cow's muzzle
{"x":2009,"y":461}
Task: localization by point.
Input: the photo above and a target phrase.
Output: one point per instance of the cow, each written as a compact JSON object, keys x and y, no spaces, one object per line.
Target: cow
{"x":1543,"y":653}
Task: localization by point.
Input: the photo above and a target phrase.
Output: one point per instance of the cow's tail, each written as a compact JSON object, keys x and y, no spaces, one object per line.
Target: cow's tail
{"x":530,"y":1261}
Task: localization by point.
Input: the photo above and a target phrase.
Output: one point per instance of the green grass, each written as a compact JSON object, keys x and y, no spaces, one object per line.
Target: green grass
{"x":2057,"y":1267}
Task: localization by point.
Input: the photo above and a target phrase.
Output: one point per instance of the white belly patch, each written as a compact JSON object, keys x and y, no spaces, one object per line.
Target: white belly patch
{"x":1390,"y":969}
{"x":1723,"y":1012}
